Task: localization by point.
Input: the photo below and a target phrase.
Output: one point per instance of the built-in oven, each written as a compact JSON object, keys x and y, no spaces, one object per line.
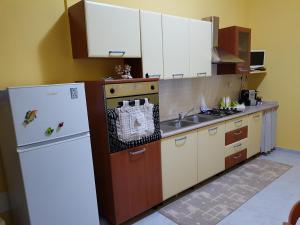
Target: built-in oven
{"x":134,"y":94}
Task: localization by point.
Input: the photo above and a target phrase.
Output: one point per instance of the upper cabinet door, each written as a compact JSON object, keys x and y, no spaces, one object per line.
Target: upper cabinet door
{"x":175,"y":46}
{"x":112,"y":31}
{"x":151,"y":37}
{"x":200,"y":48}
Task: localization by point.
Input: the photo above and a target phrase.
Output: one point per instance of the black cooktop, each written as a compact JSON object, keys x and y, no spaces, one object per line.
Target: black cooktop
{"x":220,"y":112}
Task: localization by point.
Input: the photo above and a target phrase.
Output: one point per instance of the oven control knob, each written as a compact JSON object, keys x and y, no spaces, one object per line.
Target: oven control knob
{"x":152,"y":87}
{"x":112,"y":90}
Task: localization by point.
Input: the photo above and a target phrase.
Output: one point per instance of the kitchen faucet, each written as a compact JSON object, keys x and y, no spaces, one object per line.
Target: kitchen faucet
{"x":182,"y":114}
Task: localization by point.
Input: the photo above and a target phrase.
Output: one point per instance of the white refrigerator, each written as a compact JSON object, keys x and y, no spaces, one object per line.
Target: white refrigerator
{"x":46,"y":150}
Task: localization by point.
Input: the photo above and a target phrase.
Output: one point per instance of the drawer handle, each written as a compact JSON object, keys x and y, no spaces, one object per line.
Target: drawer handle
{"x":201,"y":74}
{"x":137,"y":152}
{"x":238,"y":145}
{"x":153,"y":75}
{"x":122,"y":53}
{"x":243,"y":70}
{"x":213,"y":131}
{"x":180,"y":139}
{"x":178,"y":75}
{"x":238,"y":133}
{"x":238,"y":156}
{"x":238,"y":123}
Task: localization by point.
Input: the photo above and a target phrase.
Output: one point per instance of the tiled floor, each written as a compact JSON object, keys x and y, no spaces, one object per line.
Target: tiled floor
{"x":271,"y":206}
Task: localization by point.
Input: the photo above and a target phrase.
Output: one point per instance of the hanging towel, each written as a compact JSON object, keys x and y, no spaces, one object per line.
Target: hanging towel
{"x":135,"y":122}
{"x":116,"y":145}
{"x":122,"y":122}
{"x":148,"y":111}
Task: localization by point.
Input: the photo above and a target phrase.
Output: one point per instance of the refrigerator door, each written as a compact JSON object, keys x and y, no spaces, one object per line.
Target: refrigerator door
{"x":59,"y":183}
{"x":42,"y":113}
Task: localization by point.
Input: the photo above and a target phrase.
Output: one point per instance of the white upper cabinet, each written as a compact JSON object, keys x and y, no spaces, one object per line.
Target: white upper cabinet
{"x":175,"y":46}
{"x":200,"y":48}
{"x":112,"y":31}
{"x":151,"y":38}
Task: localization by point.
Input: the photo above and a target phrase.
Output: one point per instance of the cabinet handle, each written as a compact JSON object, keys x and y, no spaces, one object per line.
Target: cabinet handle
{"x":238,"y":133}
{"x":210,"y":131}
{"x":238,"y":145}
{"x":178,"y":75}
{"x":200,"y":74}
{"x":238,"y":122}
{"x":122,"y":53}
{"x":180,"y":139}
{"x":153,"y":75}
{"x":137,"y":152}
{"x":238,"y":156}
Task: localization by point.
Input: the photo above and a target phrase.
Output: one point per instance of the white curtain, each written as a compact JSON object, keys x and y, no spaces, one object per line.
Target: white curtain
{"x":268,"y":138}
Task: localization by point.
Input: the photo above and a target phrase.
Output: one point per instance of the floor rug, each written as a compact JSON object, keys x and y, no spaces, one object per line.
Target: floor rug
{"x":212,"y":202}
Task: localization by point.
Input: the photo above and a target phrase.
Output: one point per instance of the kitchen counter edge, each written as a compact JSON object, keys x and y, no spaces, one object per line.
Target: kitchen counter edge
{"x":249,"y":110}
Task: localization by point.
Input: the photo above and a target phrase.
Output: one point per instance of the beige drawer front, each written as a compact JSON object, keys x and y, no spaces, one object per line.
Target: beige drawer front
{"x":179,"y":163}
{"x":236,"y":123}
{"x":236,"y":147}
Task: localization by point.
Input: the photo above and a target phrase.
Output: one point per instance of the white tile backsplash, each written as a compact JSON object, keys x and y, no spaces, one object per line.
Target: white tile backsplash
{"x":180,"y":95}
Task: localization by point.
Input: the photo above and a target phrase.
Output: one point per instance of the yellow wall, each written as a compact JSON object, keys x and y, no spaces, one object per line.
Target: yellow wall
{"x":35,"y":45}
{"x":35,"y":42}
{"x":275,"y":27}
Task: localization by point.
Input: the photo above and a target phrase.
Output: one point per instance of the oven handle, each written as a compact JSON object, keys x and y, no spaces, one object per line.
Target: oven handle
{"x":137,"y":152}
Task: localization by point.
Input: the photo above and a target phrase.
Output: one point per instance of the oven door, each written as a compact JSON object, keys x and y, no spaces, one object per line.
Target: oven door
{"x":115,"y":142}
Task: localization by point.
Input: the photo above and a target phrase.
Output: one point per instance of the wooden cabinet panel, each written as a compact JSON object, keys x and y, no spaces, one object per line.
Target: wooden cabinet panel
{"x":236,"y":135}
{"x":237,"y":41}
{"x":151,"y":39}
{"x":136,"y":178}
{"x":200,"y":48}
{"x":179,"y":163}
{"x":175,"y":46}
{"x":254,"y":134}
{"x":235,"y":158}
{"x":210,"y":151}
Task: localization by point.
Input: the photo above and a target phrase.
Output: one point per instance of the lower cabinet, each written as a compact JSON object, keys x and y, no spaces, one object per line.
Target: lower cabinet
{"x":254,"y":136}
{"x":136,"y":180}
{"x":191,"y":157}
{"x":179,"y":163}
{"x":211,"y":142}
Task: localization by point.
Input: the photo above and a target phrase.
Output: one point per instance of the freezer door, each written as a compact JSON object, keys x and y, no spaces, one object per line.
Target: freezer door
{"x":42,"y":113}
{"x":59,"y":183}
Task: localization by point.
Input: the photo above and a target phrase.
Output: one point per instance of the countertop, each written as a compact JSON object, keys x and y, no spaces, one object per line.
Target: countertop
{"x":249,"y":110}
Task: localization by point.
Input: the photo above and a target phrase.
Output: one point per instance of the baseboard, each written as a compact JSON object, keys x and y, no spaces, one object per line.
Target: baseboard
{"x":286,"y":149}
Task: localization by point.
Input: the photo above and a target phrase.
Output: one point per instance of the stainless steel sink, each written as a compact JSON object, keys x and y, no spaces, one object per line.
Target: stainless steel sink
{"x":178,"y":124}
{"x":199,"y":118}
{"x":175,"y":124}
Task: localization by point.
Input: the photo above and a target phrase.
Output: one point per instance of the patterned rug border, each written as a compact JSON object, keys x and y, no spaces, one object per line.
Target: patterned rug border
{"x":217,"y":178}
